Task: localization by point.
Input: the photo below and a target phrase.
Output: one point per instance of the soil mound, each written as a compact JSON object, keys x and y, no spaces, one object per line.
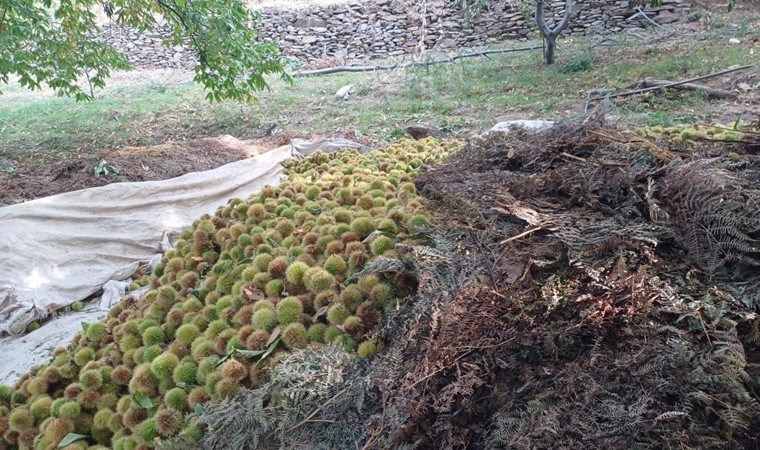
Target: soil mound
{"x":132,"y":164}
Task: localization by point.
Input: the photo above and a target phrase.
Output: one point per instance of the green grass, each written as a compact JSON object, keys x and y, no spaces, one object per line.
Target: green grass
{"x":467,"y":94}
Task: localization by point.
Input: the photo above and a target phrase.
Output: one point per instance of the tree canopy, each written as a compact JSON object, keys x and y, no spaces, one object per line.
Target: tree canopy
{"x":55,"y":43}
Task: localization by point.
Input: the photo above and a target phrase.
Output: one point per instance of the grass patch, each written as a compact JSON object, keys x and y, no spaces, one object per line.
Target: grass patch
{"x":457,"y":96}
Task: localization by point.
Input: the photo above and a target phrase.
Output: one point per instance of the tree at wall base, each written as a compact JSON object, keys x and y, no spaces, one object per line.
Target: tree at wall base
{"x":550,"y":34}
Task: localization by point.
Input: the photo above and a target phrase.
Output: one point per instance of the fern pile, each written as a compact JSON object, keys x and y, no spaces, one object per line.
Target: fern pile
{"x":263,"y":276}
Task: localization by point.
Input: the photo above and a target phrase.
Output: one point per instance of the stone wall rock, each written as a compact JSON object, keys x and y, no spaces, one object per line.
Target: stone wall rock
{"x":362,"y":29}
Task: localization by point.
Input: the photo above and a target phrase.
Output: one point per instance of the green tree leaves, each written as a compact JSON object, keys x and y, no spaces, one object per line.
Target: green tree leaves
{"x":42,"y":43}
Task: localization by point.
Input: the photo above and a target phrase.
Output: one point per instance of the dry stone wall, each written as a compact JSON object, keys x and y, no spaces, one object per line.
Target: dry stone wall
{"x":377,"y":28}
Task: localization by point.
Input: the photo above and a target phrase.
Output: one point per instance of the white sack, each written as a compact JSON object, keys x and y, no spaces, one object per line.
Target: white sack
{"x":57,"y":250}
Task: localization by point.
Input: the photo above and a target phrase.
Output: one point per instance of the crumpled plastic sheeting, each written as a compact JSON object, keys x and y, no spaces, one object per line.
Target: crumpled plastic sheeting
{"x":306,"y":148}
{"x":506,"y":127}
{"x":20,"y":353}
{"x":61,"y":249}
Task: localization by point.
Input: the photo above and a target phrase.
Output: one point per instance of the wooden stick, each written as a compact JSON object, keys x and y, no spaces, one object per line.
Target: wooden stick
{"x":577,"y":158}
{"x":690,"y":80}
{"x":526,"y":233}
{"x":738,"y":131}
{"x":708,"y":91}
{"x":308,"y":73}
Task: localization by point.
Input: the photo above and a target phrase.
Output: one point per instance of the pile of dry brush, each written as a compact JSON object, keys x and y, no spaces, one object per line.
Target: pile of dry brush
{"x":592,"y":290}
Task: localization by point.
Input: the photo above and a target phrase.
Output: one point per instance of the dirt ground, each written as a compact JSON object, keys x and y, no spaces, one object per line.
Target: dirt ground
{"x":159,"y":162}
{"x":134,"y":164}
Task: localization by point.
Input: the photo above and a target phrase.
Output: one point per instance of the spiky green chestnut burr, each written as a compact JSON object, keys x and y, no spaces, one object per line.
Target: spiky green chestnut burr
{"x":319,"y":280}
{"x":316,"y":332}
{"x":102,"y":418}
{"x":163,"y":366}
{"x":37,"y":386}
{"x":295,"y":272}
{"x":91,"y":379}
{"x":212,"y":380}
{"x":147,"y":431}
{"x":289,"y":310}
{"x":108,"y":400}
{"x":295,"y":336}
{"x":381,"y":244}
{"x":362,"y":226}
{"x":367,"y":283}
{"x":261,"y":279}
{"x":261,"y":262}
{"x":153,"y":335}
{"x":185,"y":373}
{"x":265,"y":319}
{"x":332,"y":333}
{"x":187,"y":333}
{"x":215,"y":328}
{"x":40,"y":408}
{"x":381,"y":293}
{"x":274,"y":288}
{"x":336,"y":265}
{"x":418,"y":220}
{"x":147,"y":354}
{"x":337,"y":314}
{"x":176,"y":399}
{"x":20,"y":419}
{"x":70,"y":410}
{"x":83,"y":356}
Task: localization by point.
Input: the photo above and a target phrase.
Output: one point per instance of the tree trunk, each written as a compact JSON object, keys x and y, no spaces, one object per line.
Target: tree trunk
{"x":550,"y":35}
{"x":550,"y":43}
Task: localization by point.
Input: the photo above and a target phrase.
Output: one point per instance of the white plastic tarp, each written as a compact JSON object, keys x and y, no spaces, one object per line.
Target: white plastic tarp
{"x":21,"y":353}
{"x":57,"y":250}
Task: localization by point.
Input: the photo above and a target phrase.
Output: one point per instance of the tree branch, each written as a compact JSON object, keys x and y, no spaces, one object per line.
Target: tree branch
{"x":708,"y":91}
{"x":329,"y":70}
{"x":566,"y":19}
{"x":545,"y":30}
{"x":677,"y":83}
{"x":544,"y":27}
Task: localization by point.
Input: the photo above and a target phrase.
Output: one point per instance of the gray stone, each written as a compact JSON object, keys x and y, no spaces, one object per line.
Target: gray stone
{"x":360,"y":29}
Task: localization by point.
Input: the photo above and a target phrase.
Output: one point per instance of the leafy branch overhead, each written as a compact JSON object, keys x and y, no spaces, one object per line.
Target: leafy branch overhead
{"x":43,"y":43}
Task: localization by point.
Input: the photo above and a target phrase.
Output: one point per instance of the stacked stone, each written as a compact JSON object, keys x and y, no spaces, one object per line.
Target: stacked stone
{"x":362,"y":29}
{"x":148,"y":51}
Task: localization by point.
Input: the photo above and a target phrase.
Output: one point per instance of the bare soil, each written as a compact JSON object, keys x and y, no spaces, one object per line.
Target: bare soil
{"x":134,"y":164}
{"x":153,"y":163}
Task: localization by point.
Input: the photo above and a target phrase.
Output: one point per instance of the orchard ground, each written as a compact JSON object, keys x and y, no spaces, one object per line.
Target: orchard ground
{"x":41,"y":133}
